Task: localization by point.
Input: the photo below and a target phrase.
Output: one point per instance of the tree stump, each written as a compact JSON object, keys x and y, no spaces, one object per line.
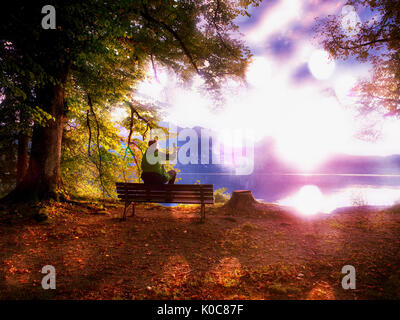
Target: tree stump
{"x":242,"y":202}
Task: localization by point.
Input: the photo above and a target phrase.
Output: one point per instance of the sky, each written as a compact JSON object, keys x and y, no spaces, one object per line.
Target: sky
{"x":295,"y":93}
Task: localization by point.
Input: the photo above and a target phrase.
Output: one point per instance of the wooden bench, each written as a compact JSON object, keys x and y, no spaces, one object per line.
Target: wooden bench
{"x":165,"y":193}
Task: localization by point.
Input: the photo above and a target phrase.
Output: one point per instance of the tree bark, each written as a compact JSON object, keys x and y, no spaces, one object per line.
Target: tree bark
{"x":242,"y":202}
{"x":22,"y":156}
{"x":42,"y":177}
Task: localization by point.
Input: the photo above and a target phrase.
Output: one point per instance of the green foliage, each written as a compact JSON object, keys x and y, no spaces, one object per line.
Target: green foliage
{"x":98,"y":54}
{"x":8,"y":162}
{"x":377,"y":41}
{"x":221,"y":196}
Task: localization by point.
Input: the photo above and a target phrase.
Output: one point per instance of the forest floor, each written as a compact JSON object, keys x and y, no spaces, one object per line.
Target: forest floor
{"x":165,"y":253}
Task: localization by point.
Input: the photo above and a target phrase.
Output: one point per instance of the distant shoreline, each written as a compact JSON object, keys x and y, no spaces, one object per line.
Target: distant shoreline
{"x":295,"y":174}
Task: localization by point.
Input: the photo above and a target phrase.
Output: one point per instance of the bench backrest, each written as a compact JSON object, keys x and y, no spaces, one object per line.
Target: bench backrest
{"x":166,"y":193}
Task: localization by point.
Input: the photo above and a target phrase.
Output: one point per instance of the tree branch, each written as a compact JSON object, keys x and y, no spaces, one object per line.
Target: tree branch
{"x":98,"y":146}
{"x":365,"y":44}
{"x":154,"y":68}
{"x":90,"y":131}
{"x":146,"y":15}
{"x":217,"y":29}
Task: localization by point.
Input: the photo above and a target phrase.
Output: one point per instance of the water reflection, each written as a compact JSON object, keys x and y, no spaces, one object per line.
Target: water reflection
{"x":310,"y":193}
{"x":309,"y":199}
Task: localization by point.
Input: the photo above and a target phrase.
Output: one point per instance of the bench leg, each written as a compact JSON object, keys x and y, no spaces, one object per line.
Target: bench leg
{"x":133,"y":208}
{"x":203,"y":212}
{"x":126,"y":206}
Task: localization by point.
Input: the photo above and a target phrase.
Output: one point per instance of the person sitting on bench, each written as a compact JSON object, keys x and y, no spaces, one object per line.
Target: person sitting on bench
{"x":156,"y":173}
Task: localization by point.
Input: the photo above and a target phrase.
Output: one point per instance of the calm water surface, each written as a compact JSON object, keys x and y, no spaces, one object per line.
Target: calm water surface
{"x":310,"y":193}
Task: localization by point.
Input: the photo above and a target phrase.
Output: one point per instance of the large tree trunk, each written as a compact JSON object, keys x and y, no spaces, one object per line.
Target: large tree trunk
{"x":22,"y":156}
{"x":41,"y":179}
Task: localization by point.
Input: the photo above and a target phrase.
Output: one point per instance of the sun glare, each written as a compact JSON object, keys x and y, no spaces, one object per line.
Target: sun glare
{"x":343,"y":86}
{"x":274,"y":20}
{"x":309,"y":200}
{"x":321,"y":67}
{"x":309,"y":133}
{"x":258,"y":72}
{"x":307,"y":125}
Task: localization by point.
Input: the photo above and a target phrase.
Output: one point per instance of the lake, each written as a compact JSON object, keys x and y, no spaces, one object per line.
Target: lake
{"x":309,"y":193}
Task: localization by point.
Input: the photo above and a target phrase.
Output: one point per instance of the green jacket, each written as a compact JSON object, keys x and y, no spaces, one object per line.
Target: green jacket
{"x":157,"y":167}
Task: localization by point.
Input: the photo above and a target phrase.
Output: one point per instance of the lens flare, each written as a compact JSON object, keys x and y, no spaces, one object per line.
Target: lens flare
{"x":259,"y":72}
{"x":320,"y":65}
{"x":309,"y":200}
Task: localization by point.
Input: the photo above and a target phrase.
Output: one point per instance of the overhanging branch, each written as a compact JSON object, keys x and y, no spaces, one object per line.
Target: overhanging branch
{"x":146,"y":15}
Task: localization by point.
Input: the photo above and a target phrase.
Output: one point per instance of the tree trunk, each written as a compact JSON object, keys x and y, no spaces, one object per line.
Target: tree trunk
{"x":242,"y":202}
{"x":22,"y":156}
{"x":41,"y":179}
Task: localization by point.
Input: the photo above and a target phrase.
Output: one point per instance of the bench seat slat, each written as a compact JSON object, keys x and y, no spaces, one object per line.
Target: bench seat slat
{"x":163,"y":192}
{"x":160,"y":198}
{"x":133,"y":196}
{"x":165,"y":185}
{"x":175,"y":201}
{"x":141,"y":186}
{"x":165,"y":199}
